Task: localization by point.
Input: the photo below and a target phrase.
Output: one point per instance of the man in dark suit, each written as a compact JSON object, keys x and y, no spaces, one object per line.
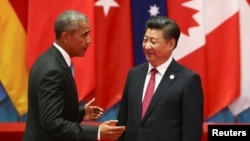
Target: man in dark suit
{"x":175,"y":112}
{"x":54,"y":113}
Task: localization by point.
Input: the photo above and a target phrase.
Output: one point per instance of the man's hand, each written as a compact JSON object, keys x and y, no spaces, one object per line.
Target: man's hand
{"x":92,"y":112}
{"x":110,"y":132}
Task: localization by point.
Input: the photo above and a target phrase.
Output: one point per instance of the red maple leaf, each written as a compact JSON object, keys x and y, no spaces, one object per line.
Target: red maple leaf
{"x":248,"y":2}
{"x":182,"y":15}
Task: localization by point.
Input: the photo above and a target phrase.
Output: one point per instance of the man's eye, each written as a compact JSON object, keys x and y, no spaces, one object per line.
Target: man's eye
{"x":153,"y":42}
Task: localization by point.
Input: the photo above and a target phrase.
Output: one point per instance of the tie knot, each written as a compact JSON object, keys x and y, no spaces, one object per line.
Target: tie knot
{"x":153,"y":71}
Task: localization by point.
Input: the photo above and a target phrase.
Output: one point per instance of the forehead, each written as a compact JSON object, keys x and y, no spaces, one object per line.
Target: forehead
{"x":154,"y":33}
{"x":84,"y":26}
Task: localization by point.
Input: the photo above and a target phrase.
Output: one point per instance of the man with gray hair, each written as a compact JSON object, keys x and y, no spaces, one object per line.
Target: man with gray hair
{"x":54,"y":113}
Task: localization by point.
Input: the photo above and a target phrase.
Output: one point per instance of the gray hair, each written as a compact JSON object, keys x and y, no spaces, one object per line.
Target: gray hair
{"x":68,"y":21}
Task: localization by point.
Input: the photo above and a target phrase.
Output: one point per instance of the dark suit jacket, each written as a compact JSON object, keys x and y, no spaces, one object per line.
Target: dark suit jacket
{"x":175,"y":112}
{"x":53,"y":110}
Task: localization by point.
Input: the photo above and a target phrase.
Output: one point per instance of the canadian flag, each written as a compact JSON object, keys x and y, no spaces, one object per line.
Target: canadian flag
{"x":243,"y":102}
{"x":214,"y":44}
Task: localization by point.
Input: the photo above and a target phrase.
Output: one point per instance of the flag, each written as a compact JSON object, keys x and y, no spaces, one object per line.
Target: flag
{"x":243,"y":102}
{"x":41,"y":17}
{"x":210,"y":45}
{"x":114,"y":49}
{"x":14,"y":72}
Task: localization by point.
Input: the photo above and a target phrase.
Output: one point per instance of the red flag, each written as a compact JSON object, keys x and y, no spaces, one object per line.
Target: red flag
{"x":209,"y":45}
{"x":114,"y":49}
{"x":41,"y":17}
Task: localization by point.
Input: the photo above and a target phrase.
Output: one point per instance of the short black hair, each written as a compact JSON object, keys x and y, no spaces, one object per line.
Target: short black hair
{"x":170,"y":28}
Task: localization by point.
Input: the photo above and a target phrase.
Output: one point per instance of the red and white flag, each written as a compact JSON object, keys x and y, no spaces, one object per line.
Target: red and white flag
{"x":114,"y":49}
{"x":243,"y":102}
{"x":211,"y":44}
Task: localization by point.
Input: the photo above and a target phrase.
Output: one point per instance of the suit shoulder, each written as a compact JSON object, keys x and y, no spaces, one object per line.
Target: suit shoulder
{"x":186,"y":70}
{"x":139,"y":67}
{"x":135,"y":71}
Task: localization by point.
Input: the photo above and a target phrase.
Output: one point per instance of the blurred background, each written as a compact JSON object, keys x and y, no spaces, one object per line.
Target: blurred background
{"x":214,"y":42}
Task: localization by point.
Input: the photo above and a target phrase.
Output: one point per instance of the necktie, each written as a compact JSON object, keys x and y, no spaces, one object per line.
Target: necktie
{"x":149,"y":92}
{"x":72,"y":68}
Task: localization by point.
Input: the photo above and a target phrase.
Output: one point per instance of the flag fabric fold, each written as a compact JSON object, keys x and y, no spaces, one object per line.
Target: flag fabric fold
{"x":114,"y":49}
{"x":13,"y":72}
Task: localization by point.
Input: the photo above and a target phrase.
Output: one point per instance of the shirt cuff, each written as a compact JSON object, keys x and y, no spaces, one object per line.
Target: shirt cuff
{"x":98,"y":135}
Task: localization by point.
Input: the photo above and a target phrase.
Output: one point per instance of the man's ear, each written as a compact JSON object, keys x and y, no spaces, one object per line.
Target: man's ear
{"x":172,"y":44}
{"x":64,"y":37}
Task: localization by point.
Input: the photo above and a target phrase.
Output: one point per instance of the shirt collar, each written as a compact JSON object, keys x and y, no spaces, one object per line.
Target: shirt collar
{"x":64,"y":54}
{"x":163,"y":67}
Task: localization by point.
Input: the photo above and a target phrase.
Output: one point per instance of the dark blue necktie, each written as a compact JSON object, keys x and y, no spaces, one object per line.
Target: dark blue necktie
{"x":72,"y":68}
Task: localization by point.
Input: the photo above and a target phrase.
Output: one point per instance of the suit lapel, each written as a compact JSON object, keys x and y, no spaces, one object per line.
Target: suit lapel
{"x":141,"y":80}
{"x":67,"y":70}
{"x":168,"y":78}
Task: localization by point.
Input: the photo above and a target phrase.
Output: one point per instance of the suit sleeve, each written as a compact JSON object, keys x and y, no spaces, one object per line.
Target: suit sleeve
{"x":81,"y":114}
{"x":122,"y":113}
{"x":192,"y":114}
{"x":51,"y":103}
